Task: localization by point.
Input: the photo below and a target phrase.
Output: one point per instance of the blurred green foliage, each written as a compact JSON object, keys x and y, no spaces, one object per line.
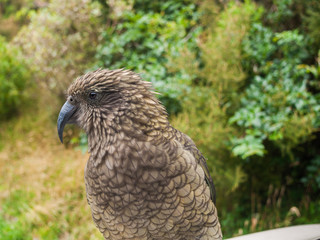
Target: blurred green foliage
{"x":15,"y":13}
{"x":141,"y":39}
{"x":312,"y":178}
{"x":266,"y":93}
{"x":11,"y":7}
{"x":14,"y":76}
{"x":277,"y":100}
{"x":59,"y":42}
{"x":311,"y":21}
{"x":217,"y":72}
{"x":13,"y":221}
{"x":241,"y":78}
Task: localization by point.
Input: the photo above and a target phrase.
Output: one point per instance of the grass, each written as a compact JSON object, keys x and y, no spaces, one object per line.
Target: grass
{"x":13,"y":224}
{"x":42,"y":185}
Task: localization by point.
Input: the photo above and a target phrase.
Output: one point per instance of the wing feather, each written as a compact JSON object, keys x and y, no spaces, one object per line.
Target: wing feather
{"x":189,"y":145}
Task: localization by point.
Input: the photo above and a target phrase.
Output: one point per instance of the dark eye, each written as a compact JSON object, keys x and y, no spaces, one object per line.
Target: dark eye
{"x":92,"y":95}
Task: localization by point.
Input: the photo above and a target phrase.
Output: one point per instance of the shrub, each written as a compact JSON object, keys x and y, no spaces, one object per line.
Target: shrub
{"x":277,"y":105}
{"x":278,"y":120}
{"x":217,"y":77}
{"x":142,"y":39}
{"x":311,"y":21}
{"x":60,"y":42}
{"x":14,"y":76}
{"x":221,"y":51}
{"x":253,"y":111}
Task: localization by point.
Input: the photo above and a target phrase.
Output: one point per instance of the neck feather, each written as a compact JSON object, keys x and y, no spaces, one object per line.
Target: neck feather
{"x":109,"y":132}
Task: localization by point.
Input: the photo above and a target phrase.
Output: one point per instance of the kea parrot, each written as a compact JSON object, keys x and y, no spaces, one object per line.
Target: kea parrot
{"x":144,"y":179}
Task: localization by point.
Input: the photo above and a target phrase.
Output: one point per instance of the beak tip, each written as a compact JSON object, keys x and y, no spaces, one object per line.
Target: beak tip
{"x":60,"y":134}
{"x":65,"y":114}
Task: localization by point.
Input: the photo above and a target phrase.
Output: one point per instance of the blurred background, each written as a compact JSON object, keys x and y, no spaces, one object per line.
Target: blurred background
{"x":241,"y":78}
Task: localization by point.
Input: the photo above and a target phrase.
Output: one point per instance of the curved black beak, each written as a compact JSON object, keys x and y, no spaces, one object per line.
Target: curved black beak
{"x":65,"y":114}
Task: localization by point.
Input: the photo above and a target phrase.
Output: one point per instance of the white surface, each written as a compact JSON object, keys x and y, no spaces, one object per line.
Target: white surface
{"x":301,"y":232}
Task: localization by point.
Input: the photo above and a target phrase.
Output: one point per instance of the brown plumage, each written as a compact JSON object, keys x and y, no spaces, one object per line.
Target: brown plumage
{"x":144,"y":179}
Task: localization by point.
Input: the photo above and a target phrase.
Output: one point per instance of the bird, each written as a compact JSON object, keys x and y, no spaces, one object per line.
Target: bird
{"x":144,"y":179}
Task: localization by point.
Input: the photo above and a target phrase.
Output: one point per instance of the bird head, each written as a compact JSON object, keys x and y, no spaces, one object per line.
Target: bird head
{"x":108,"y":98}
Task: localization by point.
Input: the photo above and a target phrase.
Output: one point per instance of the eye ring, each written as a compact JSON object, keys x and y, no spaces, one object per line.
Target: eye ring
{"x":92,"y":95}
